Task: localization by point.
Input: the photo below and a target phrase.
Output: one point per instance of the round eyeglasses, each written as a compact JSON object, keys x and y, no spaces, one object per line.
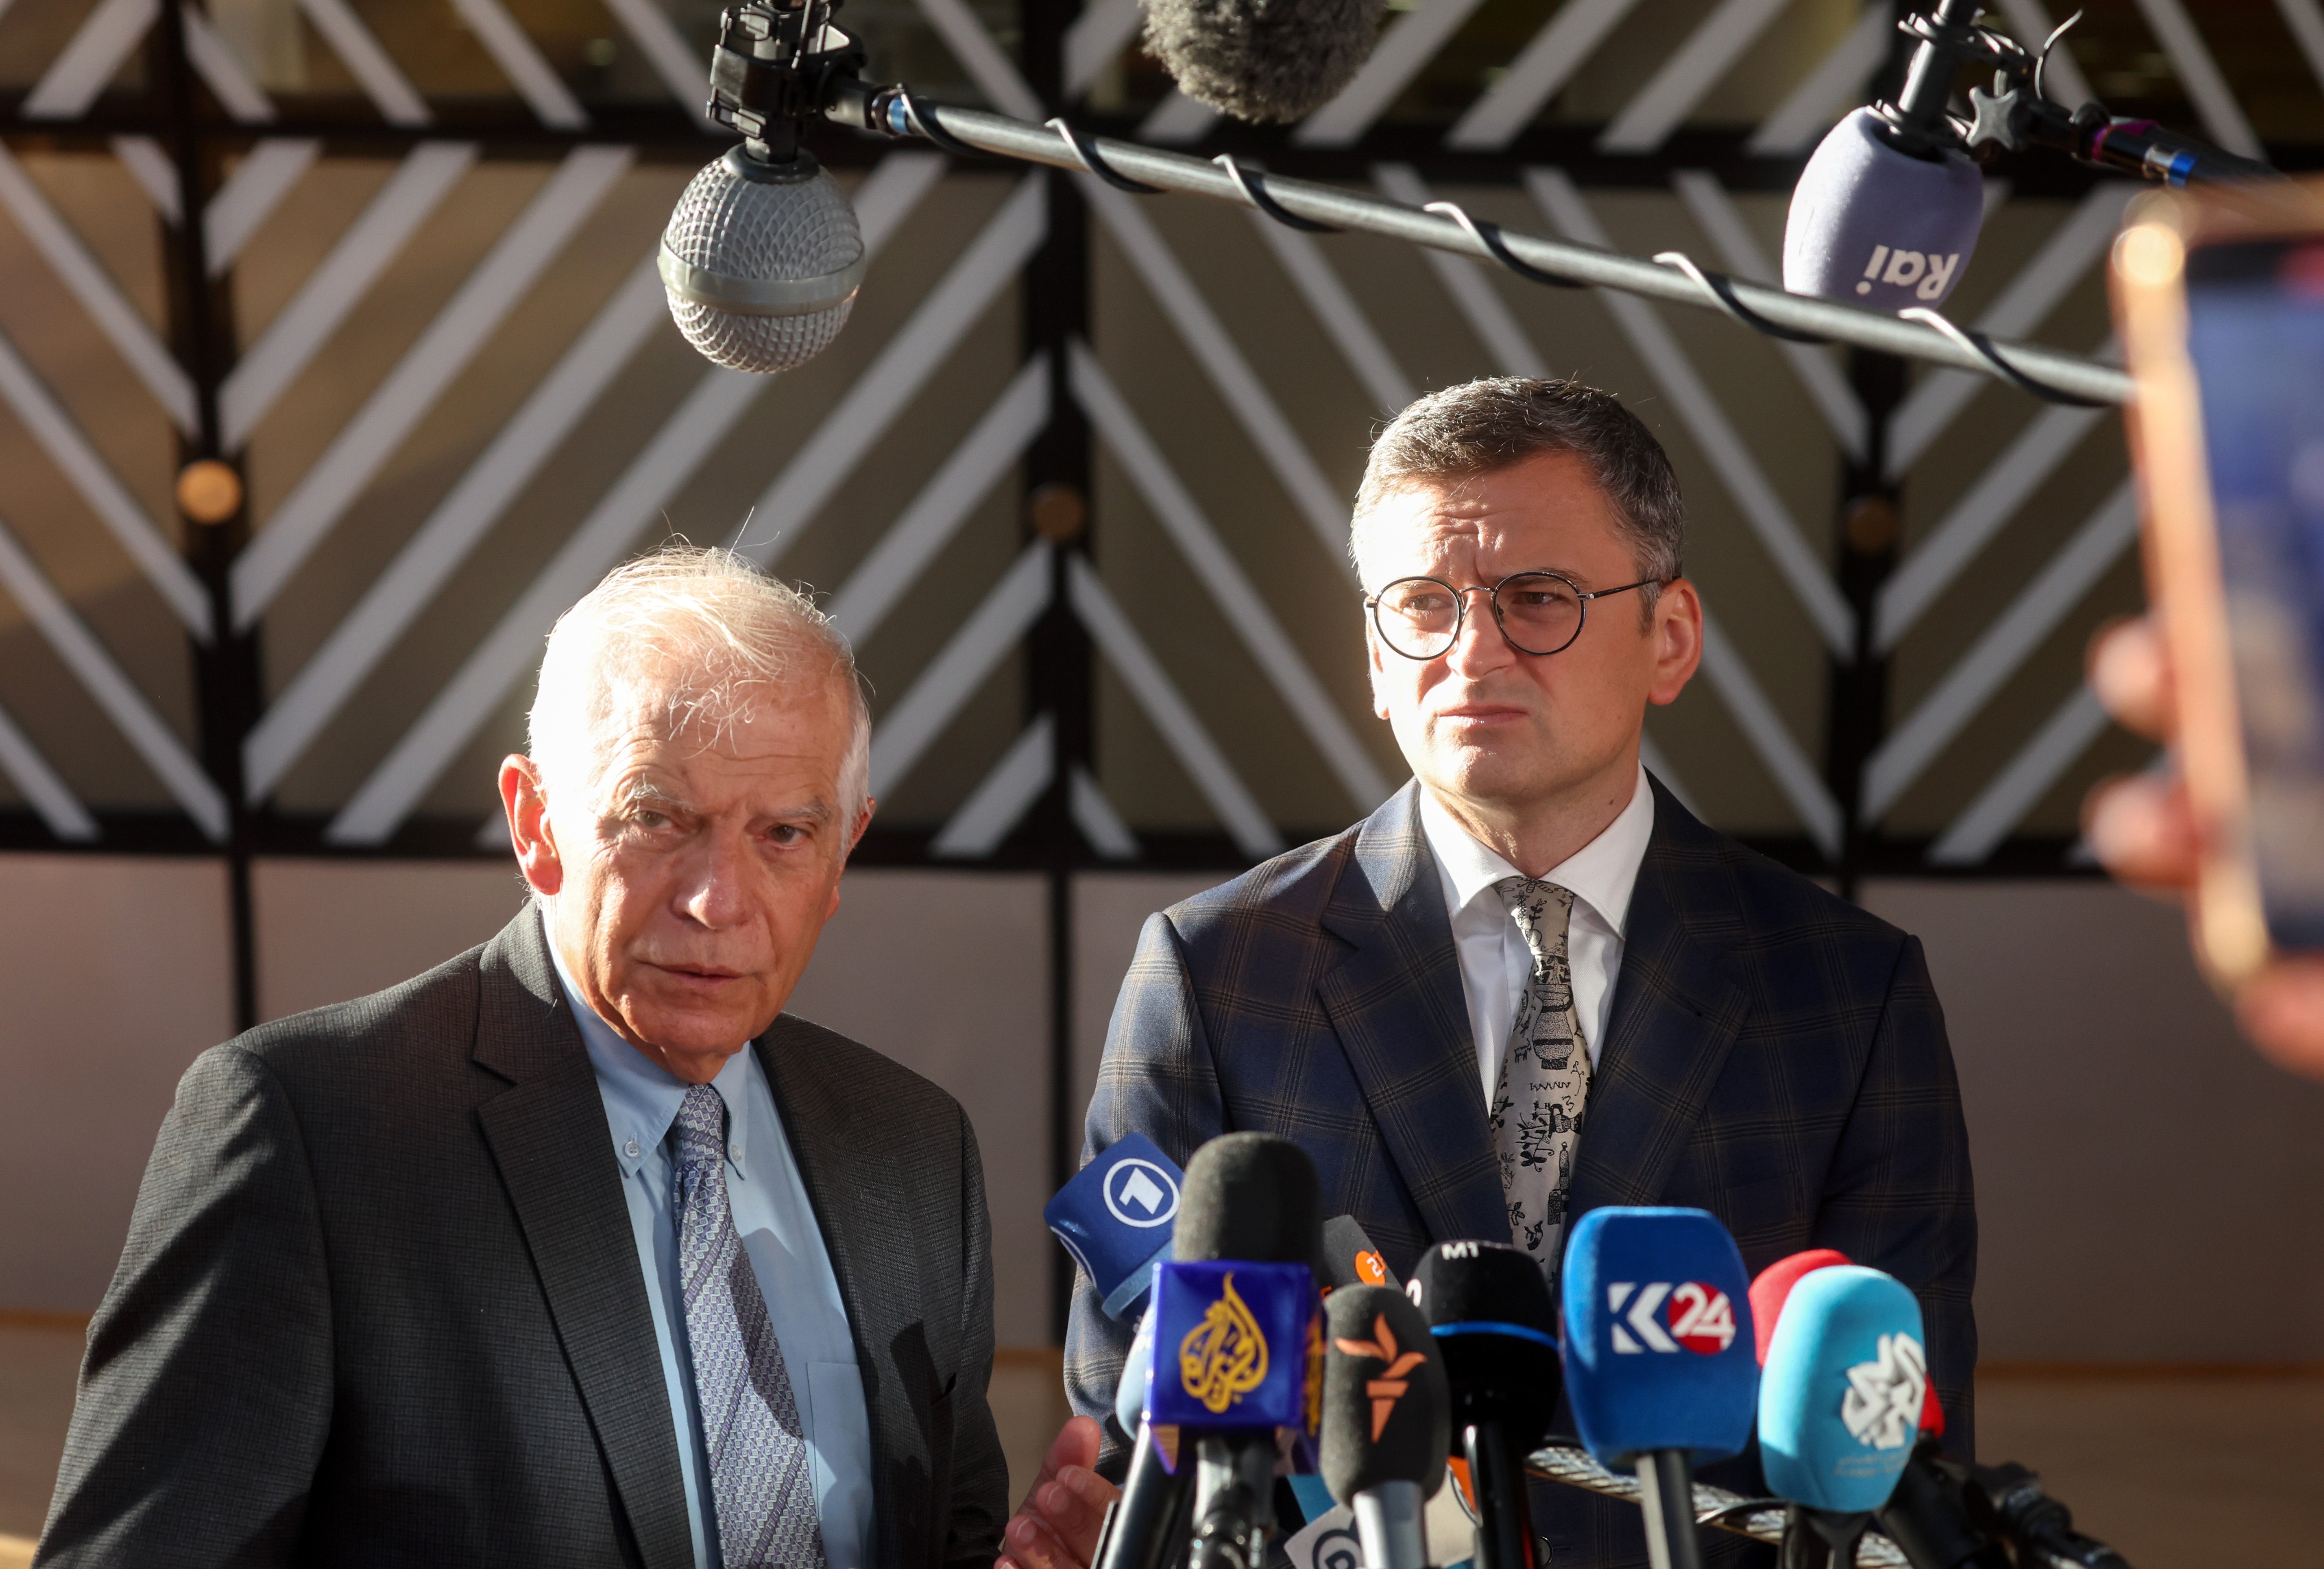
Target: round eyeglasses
{"x":1539,"y":612}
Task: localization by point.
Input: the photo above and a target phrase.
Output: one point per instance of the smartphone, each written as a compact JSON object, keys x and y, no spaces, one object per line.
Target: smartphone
{"x":2220,"y":299}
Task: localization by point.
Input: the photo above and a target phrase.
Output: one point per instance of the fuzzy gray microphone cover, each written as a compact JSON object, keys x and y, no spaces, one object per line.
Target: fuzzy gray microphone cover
{"x":1262,"y":60}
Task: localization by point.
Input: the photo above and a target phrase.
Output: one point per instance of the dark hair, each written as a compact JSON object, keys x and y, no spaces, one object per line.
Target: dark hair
{"x":1484,"y":426}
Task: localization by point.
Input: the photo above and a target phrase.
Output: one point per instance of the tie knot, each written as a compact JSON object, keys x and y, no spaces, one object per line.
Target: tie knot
{"x":700,"y":1130}
{"x":1541,"y":909}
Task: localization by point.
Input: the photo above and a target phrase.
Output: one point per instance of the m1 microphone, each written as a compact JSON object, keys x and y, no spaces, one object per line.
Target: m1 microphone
{"x":1386,"y":1420}
{"x":1262,"y":60}
{"x":1491,"y":1313}
{"x":1115,"y":1217}
{"x":1659,"y":1363}
{"x":1839,"y":1406}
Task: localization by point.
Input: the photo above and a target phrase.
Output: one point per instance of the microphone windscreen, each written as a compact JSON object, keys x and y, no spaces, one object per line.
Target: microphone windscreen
{"x":1114,"y":1217}
{"x":1658,"y":1342}
{"x":1262,"y":60}
{"x":762,"y":262}
{"x":1775,"y":1284}
{"x":1873,"y":225}
{"x":1839,"y":1403}
{"x":1249,"y":1196}
{"x":1496,"y":1326}
{"x":1349,"y":1258}
{"x":1386,"y":1415}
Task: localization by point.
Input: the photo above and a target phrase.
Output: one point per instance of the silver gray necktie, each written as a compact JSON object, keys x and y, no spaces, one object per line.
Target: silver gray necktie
{"x":1536,"y":1106}
{"x":761,"y":1476}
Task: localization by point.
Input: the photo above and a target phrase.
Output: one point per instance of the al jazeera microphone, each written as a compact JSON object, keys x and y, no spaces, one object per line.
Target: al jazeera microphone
{"x":1659,"y":1363}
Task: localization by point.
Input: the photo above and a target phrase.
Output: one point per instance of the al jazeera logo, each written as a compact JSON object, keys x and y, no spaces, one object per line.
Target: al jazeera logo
{"x":1225,"y":1357}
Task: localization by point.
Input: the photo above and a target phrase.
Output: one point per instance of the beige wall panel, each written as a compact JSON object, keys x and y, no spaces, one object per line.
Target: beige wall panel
{"x":331,"y":930}
{"x":114,"y":977}
{"x":2148,"y":1189}
{"x":947,"y":973}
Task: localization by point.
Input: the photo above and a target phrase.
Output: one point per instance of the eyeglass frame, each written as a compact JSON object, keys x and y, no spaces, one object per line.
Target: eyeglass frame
{"x":1492,"y":597}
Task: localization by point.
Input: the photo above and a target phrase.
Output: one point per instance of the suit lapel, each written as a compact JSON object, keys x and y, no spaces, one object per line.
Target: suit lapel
{"x":870,"y":1240}
{"x":1676,"y":1012}
{"x":1395,"y":1004}
{"x":548,"y":1135}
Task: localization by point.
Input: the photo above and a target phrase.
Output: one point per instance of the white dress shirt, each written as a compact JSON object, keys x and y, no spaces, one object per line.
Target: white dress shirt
{"x":1496,"y":964}
{"x":768,"y":1199}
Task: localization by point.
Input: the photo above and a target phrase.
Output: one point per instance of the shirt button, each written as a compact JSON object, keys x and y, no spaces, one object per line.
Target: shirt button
{"x":631,"y":1150}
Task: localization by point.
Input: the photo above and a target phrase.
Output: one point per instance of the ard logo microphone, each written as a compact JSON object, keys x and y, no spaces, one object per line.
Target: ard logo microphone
{"x":1116,"y":1217}
{"x":1660,"y":1363}
{"x":1839,"y":1404}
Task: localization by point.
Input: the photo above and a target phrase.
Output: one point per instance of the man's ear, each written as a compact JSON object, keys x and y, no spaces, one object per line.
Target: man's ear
{"x":1678,"y":641}
{"x":526,"y":800}
{"x":1378,"y":667}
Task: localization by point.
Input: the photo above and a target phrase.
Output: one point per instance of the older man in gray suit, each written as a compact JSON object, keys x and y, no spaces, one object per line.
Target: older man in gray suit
{"x":528,"y":1261}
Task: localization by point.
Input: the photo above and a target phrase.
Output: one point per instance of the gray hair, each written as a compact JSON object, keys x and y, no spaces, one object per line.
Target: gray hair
{"x":1482,"y":427}
{"x":711,"y":635}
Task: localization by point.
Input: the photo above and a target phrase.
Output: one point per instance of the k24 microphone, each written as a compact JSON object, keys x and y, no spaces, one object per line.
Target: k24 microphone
{"x":1262,"y":60}
{"x":1495,"y":1324}
{"x":1386,"y":1420}
{"x":1115,"y":1217}
{"x":1659,"y":1363}
{"x":1840,"y":1407}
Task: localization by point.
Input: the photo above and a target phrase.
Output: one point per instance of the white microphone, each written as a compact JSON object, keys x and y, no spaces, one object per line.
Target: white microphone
{"x":761,"y":260}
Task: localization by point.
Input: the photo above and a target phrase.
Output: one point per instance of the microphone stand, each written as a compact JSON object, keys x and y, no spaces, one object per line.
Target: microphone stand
{"x":1505,"y":1539}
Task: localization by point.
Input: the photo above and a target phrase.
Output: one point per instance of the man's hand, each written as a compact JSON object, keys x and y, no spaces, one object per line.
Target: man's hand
{"x":2143,"y":830}
{"x":1056,"y":1528}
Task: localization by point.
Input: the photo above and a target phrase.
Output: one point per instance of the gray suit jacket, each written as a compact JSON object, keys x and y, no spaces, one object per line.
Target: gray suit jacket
{"x":1773,"y":1055}
{"x":381,"y":1305}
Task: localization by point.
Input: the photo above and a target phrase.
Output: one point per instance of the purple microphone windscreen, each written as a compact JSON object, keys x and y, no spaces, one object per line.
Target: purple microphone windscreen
{"x":1659,"y":1352}
{"x":1840,"y":1401}
{"x":1386,"y":1415}
{"x":1872,"y":225}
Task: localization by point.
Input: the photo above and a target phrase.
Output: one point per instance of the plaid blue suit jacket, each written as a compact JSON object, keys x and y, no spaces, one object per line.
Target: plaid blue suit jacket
{"x":1774,"y":1055}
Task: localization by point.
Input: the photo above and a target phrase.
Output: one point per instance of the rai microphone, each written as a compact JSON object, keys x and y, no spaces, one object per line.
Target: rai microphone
{"x":1386,"y":1420}
{"x":1491,"y":1316}
{"x":1234,"y":1323}
{"x":1659,"y":1363}
{"x":1840,"y":1407}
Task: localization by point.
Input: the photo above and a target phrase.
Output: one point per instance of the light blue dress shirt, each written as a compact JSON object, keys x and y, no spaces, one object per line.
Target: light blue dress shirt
{"x":785,"y":1247}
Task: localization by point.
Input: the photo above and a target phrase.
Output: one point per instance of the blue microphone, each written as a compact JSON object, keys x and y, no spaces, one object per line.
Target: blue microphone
{"x":1115,"y":1217}
{"x":1839,"y":1403}
{"x":1660,"y":1367}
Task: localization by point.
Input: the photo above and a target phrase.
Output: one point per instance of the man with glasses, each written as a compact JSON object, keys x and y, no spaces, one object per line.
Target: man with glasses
{"x":1531,"y":983}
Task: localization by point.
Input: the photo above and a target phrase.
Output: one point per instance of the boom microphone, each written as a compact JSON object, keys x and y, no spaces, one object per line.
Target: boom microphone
{"x":1386,"y":1420}
{"x":1659,"y":1363}
{"x":1262,"y":60}
{"x":1495,"y":1324}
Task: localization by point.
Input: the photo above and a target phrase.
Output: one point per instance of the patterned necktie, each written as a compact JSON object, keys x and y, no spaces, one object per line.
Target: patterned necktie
{"x":760,"y":1475}
{"x":1536,"y":1107}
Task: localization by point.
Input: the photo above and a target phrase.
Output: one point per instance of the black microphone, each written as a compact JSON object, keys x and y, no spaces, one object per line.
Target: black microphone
{"x":1489,"y":1311}
{"x":1351,"y":1259}
{"x":1262,"y":60}
{"x":1387,"y":1417}
{"x":1247,"y":1198}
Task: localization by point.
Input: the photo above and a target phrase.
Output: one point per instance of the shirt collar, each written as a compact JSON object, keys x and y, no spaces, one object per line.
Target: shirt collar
{"x":1602,"y":875}
{"x":642,"y":1097}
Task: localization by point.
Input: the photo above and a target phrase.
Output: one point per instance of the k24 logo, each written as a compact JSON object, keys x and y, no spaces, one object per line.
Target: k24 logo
{"x":1660,"y":1316}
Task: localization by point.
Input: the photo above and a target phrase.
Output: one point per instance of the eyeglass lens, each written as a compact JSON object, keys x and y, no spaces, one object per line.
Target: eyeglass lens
{"x":1419,"y":617}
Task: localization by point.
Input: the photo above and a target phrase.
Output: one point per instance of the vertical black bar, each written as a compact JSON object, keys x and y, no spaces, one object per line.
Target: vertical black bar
{"x":1857,"y":716}
{"x":226,"y":692}
{"x":1058,"y":474}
